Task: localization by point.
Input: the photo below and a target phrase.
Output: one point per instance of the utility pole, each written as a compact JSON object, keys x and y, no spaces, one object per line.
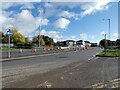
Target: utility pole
{"x":39,"y":34}
{"x":41,"y":12}
{"x":109,"y":26}
{"x":105,"y":43}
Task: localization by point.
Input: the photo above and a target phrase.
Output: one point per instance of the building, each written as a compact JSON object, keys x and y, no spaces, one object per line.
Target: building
{"x":94,"y":44}
{"x":80,"y":44}
{"x":68,"y":43}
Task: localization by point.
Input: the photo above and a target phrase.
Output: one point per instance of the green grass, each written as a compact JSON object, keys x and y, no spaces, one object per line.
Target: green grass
{"x":110,"y":53}
{"x":6,"y":48}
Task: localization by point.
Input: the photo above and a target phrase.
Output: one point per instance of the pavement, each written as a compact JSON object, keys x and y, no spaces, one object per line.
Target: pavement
{"x":76,"y":69}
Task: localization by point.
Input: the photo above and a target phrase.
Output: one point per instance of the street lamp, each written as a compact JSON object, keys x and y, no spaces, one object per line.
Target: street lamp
{"x":109,"y":26}
{"x":105,"y":42}
{"x":39,"y":34}
{"x":41,"y":12}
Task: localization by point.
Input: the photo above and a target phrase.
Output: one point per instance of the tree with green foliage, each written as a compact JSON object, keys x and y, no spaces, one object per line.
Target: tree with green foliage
{"x":44,"y":40}
{"x":105,"y":43}
{"x":27,"y":40}
{"x":48,"y":40}
{"x":35,"y":40}
{"x":118,"y":42}
{"x":17,"y":37}
{"x":1,"y":36}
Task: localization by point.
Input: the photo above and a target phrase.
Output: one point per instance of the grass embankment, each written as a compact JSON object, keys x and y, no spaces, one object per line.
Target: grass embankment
{"x":110,"y":53}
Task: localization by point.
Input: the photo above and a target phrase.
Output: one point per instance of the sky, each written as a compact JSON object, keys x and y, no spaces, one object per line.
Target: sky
{"x":62,"y":20}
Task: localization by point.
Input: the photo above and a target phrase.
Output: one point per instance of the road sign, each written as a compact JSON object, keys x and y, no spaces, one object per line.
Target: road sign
{"x":9,"y":32}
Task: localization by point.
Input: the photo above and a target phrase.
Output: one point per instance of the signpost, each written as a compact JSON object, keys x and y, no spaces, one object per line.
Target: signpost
{"x":9,"y":33}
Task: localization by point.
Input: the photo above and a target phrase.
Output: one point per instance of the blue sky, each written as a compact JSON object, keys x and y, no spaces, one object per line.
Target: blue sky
{"x":62,"y":21}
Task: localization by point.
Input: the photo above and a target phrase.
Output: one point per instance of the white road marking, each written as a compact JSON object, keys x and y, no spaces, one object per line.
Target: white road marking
{"x":114,"y":82}
{"x":91,"y":58}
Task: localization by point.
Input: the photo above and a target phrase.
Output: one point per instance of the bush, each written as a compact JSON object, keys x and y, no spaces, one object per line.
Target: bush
{"x":24,"y":46}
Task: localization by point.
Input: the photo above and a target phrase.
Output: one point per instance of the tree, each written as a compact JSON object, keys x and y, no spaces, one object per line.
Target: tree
{"x":17,"y":37}
{"x":27,"y":40}
{"x":35,"y":40}
{"x":118,"y":42}
{"x":1,"y":36}
{"x":105,"y":43}
{"x":44,"y":40}
{"x":48,"y":40}
{"x":5,"y":39}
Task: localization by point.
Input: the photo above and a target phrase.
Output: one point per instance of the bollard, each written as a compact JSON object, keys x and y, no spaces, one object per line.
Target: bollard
{"x":20,"y":51}
{"x":34,"y":49}
{"x":44,"y":50}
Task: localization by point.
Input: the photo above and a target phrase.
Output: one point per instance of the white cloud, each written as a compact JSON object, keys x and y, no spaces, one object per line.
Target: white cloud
{"x":27,"y":6}
{"x":92,"y":37}
{"x":87,"y":7}
{"x":115,"y":34}
{"x":6,"y":5}
{"x":25,"y":22}
{"x":57,"y":36}
{"x":102,"y":33}
{"x":24,"y":5}
{"x":66,"y":14}
{"x":62,"y":23}
{"x":48,"y":5}
{"x":72,"y":38}
{"x":83,"y":36}
{"x":92,"y":7}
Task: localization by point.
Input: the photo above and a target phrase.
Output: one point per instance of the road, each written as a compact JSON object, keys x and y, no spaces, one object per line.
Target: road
{"x":65,"y":69}
{"x":27,"y":52}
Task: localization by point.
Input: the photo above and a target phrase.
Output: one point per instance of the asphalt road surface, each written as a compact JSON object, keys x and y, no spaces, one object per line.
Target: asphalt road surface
{"x":74,"y":69}
{"x":27,"y":52}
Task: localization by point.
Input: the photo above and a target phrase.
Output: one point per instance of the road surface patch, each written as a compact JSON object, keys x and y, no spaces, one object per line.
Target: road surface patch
{"x":61,"y":78}
{"x":46,"y":84}
{"x":70,"y":73}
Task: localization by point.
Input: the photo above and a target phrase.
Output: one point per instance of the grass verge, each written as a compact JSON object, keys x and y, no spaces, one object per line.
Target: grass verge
{"x":109,"y":53}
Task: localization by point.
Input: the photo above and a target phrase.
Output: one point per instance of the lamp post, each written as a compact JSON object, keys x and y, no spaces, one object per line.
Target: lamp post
{"x":104,"y":62}
{"x":39,"y":34}
{"x":41,"y":12}
{"x":105,"y":43}
{"x":109,"y":26}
